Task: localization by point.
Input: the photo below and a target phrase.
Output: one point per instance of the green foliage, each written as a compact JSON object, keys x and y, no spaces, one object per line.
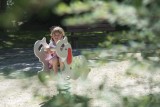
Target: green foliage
{"x":76,"y":6}
{"x":143,"y":101}
{"x":93,"y":11}
{"x":17,"y":12}
{"x":140,"y":16}
{"x":43,"y":77}
{"x":66,"y":100}
{"x":80,"y":67}
{"x":142,"y":20}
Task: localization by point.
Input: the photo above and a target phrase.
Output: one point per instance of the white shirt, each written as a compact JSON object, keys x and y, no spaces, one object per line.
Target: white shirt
{"x":52,"y":45}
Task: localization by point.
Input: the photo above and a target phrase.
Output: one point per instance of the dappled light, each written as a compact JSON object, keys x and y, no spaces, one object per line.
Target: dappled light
{"x":116,"y":53}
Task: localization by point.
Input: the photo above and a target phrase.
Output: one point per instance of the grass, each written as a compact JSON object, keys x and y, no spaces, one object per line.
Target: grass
{"x":21,"y":39}
{"x":26,"y":39}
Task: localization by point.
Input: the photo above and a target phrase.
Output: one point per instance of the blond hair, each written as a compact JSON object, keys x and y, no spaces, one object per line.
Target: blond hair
{"x":57,"y":29}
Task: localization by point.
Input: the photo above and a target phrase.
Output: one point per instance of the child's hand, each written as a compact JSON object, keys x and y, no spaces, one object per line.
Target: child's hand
{"x":50,"y":50}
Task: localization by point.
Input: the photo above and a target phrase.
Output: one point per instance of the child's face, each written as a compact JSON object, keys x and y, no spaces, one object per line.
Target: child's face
{"x":56,"y":36}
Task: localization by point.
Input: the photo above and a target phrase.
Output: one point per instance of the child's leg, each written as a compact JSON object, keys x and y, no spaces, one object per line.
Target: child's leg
{"x":54,"y":63}
{"x":61,"y":65}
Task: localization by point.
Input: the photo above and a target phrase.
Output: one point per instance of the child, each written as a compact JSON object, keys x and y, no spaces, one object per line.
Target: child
{"x":57,"y":33}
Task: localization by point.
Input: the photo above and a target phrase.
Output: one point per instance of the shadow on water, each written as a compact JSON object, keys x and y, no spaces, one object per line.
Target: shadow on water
{"x":18,"y":62}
